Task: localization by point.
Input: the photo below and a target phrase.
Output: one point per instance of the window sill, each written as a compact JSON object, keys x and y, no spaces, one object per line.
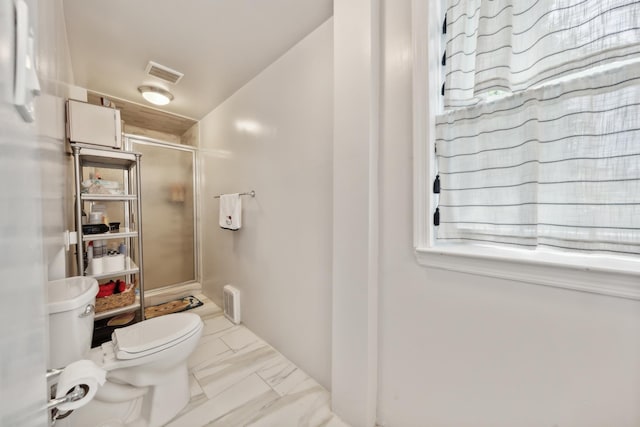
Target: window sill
{"x":620,"y":277}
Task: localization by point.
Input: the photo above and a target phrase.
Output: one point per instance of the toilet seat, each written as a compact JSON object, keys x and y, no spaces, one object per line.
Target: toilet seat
{"x":154,"y":335}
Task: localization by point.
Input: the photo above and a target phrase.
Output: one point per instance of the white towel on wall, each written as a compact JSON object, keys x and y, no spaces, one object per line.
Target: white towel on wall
{"x":230,"y":211}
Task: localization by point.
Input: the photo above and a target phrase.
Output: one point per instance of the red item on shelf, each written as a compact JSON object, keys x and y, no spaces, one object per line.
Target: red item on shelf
{"x":104,"y":293}
{"x":106,"y":289}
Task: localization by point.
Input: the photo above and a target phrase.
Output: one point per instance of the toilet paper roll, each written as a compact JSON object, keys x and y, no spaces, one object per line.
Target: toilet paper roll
{"x":83,"y":373}
{"x":113,"y":262}
{"x":97,"y":266}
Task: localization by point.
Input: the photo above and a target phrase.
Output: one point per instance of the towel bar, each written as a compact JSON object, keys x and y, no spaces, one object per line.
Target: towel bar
{"x":250,"y":193}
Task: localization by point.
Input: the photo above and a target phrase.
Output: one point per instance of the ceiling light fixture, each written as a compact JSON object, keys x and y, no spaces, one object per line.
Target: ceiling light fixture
{"x":155,"y":95}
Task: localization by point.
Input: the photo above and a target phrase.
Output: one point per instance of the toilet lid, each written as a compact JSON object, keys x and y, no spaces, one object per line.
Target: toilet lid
{"x":153,"y":335}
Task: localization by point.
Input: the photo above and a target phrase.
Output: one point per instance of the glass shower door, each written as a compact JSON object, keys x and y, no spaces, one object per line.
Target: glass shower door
{"x":168,"y":213}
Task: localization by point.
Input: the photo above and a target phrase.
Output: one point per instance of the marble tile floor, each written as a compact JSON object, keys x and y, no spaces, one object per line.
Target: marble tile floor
{"x":237,"y":379}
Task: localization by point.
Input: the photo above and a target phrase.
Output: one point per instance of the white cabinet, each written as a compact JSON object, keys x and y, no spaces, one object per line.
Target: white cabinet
{"x":93,"y":124}
{"x":128,"y":235}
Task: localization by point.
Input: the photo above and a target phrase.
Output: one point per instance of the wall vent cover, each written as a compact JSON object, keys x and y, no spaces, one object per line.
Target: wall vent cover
{"x":165,"y":73}
{"x":231,"y":303}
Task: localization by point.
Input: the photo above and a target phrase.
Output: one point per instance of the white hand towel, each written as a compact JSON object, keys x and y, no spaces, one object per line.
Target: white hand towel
{"x":230,"y":211}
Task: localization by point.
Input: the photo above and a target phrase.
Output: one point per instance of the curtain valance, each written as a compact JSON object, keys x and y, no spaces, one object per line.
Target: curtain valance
{"x":513,"y":45}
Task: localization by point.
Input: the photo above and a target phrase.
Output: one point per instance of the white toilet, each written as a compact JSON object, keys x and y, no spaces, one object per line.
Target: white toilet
{"x":146,"y":363}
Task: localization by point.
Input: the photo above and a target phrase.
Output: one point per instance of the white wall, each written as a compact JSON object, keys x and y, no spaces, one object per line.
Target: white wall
{"x":56,"y":76}
{"x":32,"y":192}
{"x":274,"y":136}
{"x":468,"y":351}
{"x":355,"y":199}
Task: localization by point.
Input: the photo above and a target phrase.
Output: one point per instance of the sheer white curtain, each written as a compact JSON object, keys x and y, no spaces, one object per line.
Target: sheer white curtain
{"x":556,"y":164}
{"x":512,"y":45}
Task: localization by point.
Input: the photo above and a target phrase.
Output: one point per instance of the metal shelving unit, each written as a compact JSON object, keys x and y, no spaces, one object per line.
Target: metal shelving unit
{"x":130,"y":234}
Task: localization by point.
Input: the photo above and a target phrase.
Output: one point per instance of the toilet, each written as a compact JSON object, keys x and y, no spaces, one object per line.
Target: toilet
{"x":146,"y":363}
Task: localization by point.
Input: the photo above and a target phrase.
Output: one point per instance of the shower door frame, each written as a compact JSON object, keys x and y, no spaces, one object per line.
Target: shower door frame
{"x":145,"y":140}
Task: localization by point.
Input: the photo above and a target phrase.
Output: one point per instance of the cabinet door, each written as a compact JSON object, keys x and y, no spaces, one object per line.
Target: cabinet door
{"x":93,"y":124}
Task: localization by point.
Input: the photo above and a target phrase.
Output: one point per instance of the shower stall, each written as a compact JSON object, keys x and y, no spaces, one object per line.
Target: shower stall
{"x":169,"y":212}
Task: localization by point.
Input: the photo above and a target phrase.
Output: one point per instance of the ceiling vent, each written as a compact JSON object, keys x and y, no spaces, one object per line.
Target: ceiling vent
{"x":164,"y":73}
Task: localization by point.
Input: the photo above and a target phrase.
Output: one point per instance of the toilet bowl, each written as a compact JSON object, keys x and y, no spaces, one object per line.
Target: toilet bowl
{"x":147,"y":375}
{"x":146,"y":363}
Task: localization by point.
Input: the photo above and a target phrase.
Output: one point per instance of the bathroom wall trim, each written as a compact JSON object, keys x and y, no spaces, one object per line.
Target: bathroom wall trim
{"x":146,"y":139}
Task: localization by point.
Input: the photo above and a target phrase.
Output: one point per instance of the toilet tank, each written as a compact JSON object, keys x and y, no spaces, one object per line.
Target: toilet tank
{"x":70,"y":305}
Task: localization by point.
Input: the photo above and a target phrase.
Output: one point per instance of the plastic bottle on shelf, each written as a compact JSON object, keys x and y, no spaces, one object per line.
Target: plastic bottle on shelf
{"x":90,"y":252}
{"x":98,"y":249}
{"x":98,"y":214}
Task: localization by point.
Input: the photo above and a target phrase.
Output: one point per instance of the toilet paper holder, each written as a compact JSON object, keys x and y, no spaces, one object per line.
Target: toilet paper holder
{"x":77,"y":393}
{"x":73,"y":395}
{"x":76,"y":385}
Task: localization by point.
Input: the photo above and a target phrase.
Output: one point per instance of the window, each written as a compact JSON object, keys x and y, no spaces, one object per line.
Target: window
{"x":527,"y":120}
